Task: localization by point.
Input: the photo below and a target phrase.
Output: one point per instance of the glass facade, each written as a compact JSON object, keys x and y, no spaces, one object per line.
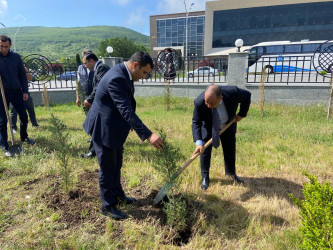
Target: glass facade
{"x":171,"y":32}
{"x":293,"y":22}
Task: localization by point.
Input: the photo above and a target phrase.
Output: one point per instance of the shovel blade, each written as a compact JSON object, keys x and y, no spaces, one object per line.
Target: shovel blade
{"x":162,"y":193}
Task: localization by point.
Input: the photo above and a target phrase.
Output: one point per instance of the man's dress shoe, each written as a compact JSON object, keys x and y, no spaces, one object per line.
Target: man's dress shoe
{"x":126,"y":200}
{"x":236,"y":178}
{"x":29,"y":141}
{"x":204,"y":183}
{"x":89,"y":155}
{"x":114,"y":213}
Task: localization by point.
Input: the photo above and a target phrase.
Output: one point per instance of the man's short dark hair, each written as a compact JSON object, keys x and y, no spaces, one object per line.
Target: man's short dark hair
{"x":90,"y":56}
{"x":4,"y":38}
{"x":143,"y":58}
{"x":168,"y":49}
{"x":86,"y":51}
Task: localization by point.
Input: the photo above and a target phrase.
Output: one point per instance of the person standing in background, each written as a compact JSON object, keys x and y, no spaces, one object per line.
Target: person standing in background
{"x":29,"y":106}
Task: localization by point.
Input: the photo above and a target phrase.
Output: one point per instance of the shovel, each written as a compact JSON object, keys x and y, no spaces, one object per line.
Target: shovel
{"x":166,"y":188}
{"x":6,"y":109}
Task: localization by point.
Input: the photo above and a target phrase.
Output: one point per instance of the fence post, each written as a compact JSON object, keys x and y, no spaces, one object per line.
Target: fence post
{"x":237,"y":64}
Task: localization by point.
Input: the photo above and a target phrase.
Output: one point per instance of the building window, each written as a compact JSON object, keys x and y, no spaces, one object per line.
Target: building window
{"x":171,"y":32}
{"x":273,"y":23}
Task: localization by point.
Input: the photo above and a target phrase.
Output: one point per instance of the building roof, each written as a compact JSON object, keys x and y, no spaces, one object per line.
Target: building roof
{"x":224,"y":51}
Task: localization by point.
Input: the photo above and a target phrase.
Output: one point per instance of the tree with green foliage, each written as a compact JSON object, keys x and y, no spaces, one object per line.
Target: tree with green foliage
{"x":166,"y":163}
{"x":122,"y":47}
{"x":78,"y":60}
{"x":316,"y":212}
{"x":62,"y":149}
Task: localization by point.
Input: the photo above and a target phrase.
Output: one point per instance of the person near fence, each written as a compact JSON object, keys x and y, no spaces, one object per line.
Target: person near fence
{"x":29,"y":106}
{"x":15,"y":85}
{"x":97,"y":70}
{"x":170,"y":71}
{"x":215,"y":107}
{"x":83,"y":86}
{"x":109,"y":121}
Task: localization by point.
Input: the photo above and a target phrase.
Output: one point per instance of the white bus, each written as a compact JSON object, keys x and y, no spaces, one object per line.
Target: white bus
{"x":283,"y":56}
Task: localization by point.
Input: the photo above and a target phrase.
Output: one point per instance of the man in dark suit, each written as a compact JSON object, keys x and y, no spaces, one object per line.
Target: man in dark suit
{"x":222,"y":103}
{"x":96,"y":71}
{"x":91,"y":61}
{"x":15,"y":87}
{"x":109,"y":120}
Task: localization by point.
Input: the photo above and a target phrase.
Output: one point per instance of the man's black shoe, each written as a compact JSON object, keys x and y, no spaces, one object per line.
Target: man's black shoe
{"x":29,"y":141}
{"x":236,"y":178}
{"x":114,"y":213}
{"x":126,"y":200}
{"x":204,"y":183}
{"x":89,"y":155}
{"x":36,"y":125}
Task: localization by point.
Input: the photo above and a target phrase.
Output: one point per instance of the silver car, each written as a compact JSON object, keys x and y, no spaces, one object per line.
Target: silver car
{"x":204,"y":71}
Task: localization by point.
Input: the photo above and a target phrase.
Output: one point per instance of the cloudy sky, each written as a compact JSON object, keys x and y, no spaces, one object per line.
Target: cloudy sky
{"x":133,"y":14}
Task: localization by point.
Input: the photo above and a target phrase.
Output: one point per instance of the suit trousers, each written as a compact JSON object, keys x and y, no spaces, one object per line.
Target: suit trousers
{"x":16,"y":99}
{"x":30,"y":107}
{"x":91,"y":146}
{"x":110,"y":161}
{"x":228,"y":141}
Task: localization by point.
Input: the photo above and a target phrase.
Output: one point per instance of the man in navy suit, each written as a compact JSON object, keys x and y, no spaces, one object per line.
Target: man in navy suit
{"x":224,"y":101}
{"x":109,"y":120}
{"x":97,"y":70}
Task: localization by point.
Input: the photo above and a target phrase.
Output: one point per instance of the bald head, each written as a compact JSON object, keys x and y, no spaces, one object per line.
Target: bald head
{"x":213,"y":96}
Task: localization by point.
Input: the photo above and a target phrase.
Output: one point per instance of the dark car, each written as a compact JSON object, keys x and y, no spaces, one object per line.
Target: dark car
{"x":67,"y":76}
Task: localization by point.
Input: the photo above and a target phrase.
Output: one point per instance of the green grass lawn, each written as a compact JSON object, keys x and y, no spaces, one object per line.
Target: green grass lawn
{"x":271,"y":153}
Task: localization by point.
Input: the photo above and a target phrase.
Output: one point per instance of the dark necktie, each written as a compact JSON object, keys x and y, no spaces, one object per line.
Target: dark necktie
{"x":91,"y":77}
{"x":132,"y":87}
{"x":216,"y":129}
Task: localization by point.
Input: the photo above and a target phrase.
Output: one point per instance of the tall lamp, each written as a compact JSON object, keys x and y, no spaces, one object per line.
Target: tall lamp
{"x":15,"y":37}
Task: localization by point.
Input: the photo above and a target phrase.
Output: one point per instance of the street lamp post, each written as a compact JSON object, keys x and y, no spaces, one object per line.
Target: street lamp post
{"x":186,"y":25}
{"x":15,"y":37}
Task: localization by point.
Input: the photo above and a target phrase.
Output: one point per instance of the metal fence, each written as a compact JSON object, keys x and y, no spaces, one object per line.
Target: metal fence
{"x":287,"y":69}
{"x":193,"y":70}
{"x":190,"y":70}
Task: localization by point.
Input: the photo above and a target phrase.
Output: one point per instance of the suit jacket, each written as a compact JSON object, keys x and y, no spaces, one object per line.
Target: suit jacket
{"x":112,"y":113}
{"x":101,"y":69}
{"x":202,"y":115}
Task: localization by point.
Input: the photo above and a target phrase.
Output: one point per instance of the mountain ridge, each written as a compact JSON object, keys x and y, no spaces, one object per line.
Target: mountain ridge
{"x":57,"y":42}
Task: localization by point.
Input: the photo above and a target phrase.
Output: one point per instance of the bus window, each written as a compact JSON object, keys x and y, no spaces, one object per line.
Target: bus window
{"x":252,"y":56}
{"x":293,"y":48}
{"x":276,"y":49}
{"x":260,"y":50}
{"x":310,"y":47}
{"x":326,"y":47}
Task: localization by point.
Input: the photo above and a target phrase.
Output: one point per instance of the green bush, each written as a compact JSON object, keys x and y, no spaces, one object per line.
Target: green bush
{"x":62,"y":149}
{"x":166,"y":163}
{"x":316,"y":212}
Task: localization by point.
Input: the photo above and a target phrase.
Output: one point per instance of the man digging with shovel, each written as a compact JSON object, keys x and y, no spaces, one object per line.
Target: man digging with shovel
{"x":214,"y":108}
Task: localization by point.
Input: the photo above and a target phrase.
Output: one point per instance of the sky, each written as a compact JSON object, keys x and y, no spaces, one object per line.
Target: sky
{"x":133,"y":14}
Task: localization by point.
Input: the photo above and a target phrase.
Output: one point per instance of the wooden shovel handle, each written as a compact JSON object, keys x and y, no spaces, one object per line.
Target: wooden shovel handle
{"x":6,"y":109}
{"x":193,"y":157}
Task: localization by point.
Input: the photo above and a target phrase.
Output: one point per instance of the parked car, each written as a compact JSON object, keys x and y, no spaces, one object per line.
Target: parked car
{"x":67,"y":76}
{"x":204,"y":71}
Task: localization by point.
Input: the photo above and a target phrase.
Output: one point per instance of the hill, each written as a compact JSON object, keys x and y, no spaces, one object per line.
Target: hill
{"x":55,"y":42}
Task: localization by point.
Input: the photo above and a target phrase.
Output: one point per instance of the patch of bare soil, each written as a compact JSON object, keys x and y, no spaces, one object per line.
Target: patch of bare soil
{"x":82,"y":205}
